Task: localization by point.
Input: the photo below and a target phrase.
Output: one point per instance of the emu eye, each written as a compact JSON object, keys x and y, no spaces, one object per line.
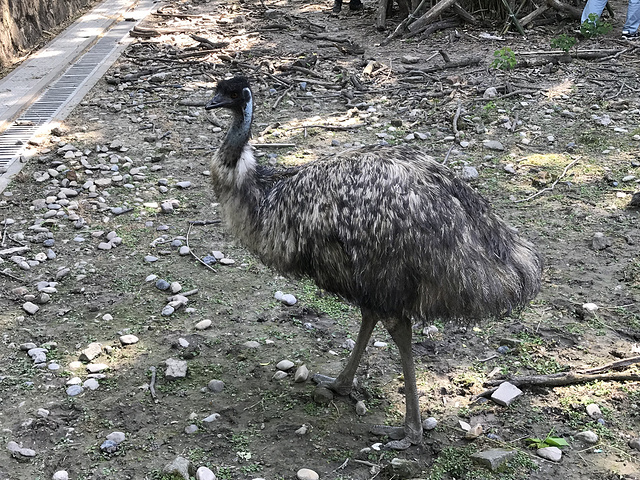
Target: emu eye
{"x":234,"y":95}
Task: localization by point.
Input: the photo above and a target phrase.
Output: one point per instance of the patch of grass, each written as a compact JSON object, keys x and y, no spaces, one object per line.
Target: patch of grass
{"x":504,"y":59}
{"x":455,"y":462}
{"x":323,"y":302}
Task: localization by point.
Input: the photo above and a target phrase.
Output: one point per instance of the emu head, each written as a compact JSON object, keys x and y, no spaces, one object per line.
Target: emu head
{"x":234,"y":94}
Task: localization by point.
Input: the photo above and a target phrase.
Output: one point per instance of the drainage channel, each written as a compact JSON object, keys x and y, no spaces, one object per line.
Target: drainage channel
{"x":56,"y":102}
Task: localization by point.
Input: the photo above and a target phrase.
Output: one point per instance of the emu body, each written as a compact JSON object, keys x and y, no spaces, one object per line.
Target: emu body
{"x":387,"y":228}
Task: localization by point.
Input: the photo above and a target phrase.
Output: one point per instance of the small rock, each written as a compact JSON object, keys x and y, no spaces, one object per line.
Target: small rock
{"x":60,"y":475}
{"x":285,"y":365}
{"x":490,"y":92}
{"x":167,"y":311}
{"x":322,"y":395}
{"x":128,"y":339}
{"x":279,"y":375}
{"x":379,"y":344}
{"x":302,"y":430}
{"x":599,"y":241}
{"x":74,"y":390}
{"x":190,"y":429}
{"x":493,"y":459}
{"x":97,"y":367}
{"x":590,"y":307}
{"x":307,"y":474}
{"x":550,"y":453}
{"x":184,"y":250}
{"x":400,"y":468}
{"x":429,"y":423}
{"x":635,"y":443}
{"x":493,"y":145}
{"x":181,"y":467}
{"x":175,"y":287}
{"x":593,"y":410}
{"x":30,"y":308}
{"x":469,"y":173}
{"x":361,"y":408}
{"x":216,"y":386}
{"x":203,"y":325}
{"x":109,"y":446}
{"x":91,"y":384}
{"x":587,"y":436}
{"x":117,"y":437}
{"x":301,"y":375}
{"x":92,"y":351}
{"x":162,"y":284}
{"x":175,"y":369}
{"x":211,"y":418}
{"x":506,"y":394}
{"x":43,"y":412}
{"x":252,"y":344}
{"x":203,"y":473}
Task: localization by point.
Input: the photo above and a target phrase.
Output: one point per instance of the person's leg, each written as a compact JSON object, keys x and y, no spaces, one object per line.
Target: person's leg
{"x":594,"y":6}
{"x":633,"y":17}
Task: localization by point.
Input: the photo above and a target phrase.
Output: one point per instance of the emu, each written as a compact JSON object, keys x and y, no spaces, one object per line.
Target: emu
{"x":386,"y":228}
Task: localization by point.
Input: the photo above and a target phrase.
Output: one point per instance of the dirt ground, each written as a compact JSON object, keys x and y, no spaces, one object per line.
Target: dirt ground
{"x":567,"y":171}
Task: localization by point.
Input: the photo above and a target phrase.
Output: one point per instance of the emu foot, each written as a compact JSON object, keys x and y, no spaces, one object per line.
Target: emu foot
{"x":401,"y":437}
{"x":356,"y":5}
{"x":337,"y":6}
{"x":333,"y":385}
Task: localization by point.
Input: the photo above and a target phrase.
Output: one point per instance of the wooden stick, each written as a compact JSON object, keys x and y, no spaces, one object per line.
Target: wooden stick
{"x":432,"y":14}
{"x":573,"y":12}
{"x":618,"y":364}
{"x":193,"y":254}
{"x":562,"y":379}
{"x":152,"y":384}
{"x":533,"y":15}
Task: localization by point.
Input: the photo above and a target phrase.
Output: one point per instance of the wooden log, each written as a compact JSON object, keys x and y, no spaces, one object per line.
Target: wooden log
{"x":463,"y":14}
{"x":533,"y":15}
{"x":431,"y":15}
{"x":573,"y":12}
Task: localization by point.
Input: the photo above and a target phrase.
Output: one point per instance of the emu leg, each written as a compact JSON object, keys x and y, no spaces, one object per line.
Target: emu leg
{"x":337,"y":6}
{"x":400,"y":331}
{"x":344,"y":383}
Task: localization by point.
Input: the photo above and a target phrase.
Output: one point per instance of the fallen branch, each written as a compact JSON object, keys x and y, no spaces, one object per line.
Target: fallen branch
{"x":152,"y":384}
{"x":13,"y":251}
{"x":432,"y":14}
{"x":562,"y":379}
{"x":460,"y":63}
{"x":613,"y":365}
{"x":573,"y":12}
{"x":553,"y":185}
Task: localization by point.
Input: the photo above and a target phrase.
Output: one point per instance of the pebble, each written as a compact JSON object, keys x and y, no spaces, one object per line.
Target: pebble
{"x":203,"y":473}
{"x":43,"y":412}
{"x":150,"y":259}
{"x":550,"y":453}
{"x":92,"y":350}
{"x":175,"y":369}
{"x":203,"y":325}
{"x":74,"y":390}
{"x":184,"y":250}
{"x":322,"y":395}
{"x":16,"y":449}
{"x":361,"y":408}
{"x":380,"y":344}
{"x":493,"y":459}
{"x":307,"y":474}
{"x":302,"y":430}
{"x":216,"y":386}
{"x":30,"y":308}
{"x":587,"y":436}
{"x":211,"y":418}
{"x":635,"y":443}
{"x":285,"y":365}
{"x":599,"y":241}
{"x":109,"y":446}
{"x":279,"y":375}
{"x":493,"y":145}
{"x":91,"y":384}
{"x":128,"y":339}
{"x":209,"y":259}
{"x":301,"y":375}
{"x":167,"y":311}
{"x":251,"y":344}
{"x":175,"y":287}
{"x":60,"y":475}
{"x":590,"y":307}
{"x":97,"y":367}
{"x":593,"y":410}
{"x":469,"y":173}
{"x":180,"y":466}
{"x":162,"y":284}
{"x":117,"y":437}
{"x":190,"y":429}
{"x":429,"y":423}
{"x":506,"y":394}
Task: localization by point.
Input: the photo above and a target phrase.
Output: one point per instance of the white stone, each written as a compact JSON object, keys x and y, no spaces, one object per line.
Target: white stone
{"x":175,"y":368}
{"x":203,"y":325}
{"x":129,"y":339}
{"x":587,"y":436}
{"x":117,"y":437}
{"x":307,"y":474}
{"x":203,"y":473}
{"x":285,"y":365}
{"x":593,"y":410}
{"x":301,"y":375}
{"x":60,"y":475}
{"x":550,"y":453}
{"x":506,"y":394}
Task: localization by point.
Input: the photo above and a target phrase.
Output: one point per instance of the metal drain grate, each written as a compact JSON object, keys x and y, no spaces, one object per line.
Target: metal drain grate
{"x":14,"y":139}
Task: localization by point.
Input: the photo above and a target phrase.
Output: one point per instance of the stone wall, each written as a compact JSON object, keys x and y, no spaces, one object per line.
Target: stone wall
{"x":23,"y":23}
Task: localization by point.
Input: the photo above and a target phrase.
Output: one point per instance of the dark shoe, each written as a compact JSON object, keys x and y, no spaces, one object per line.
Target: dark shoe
{"x":337,"y":6}
{"x":631,"y":36}
{"x":355,"y":5}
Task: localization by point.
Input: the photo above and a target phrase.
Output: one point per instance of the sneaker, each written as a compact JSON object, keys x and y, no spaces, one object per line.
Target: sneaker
{"x":627,"y":34}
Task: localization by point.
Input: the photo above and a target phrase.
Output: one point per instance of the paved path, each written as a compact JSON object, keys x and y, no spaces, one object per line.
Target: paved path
{"x":105,"y":28}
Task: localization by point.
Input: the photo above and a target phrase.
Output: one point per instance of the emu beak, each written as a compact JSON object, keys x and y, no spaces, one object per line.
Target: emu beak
{"x":217,"y":101}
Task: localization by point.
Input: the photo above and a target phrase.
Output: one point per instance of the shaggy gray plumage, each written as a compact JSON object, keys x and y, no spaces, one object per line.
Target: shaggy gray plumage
{"x":387,"y":228}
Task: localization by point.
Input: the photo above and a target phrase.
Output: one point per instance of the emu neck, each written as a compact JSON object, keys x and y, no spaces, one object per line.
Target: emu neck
{"x":238,"y":135}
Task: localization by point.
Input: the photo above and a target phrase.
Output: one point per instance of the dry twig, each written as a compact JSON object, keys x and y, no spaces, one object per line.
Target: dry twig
{"x":553,"y":185}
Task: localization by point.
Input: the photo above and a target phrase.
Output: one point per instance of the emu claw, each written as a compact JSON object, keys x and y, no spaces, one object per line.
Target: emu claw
{"x":398,"y":444}
{"x":330,"y":383}
{"x":396,"y":433}
{"x":400,"y":439}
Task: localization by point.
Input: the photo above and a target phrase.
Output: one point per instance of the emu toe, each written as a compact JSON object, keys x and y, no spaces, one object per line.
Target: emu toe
{"x":401,"y":437}
{"x":333,"y":384}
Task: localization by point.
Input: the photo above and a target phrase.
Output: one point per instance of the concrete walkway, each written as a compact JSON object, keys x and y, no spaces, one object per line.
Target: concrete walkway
{"x":109,"y":23}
